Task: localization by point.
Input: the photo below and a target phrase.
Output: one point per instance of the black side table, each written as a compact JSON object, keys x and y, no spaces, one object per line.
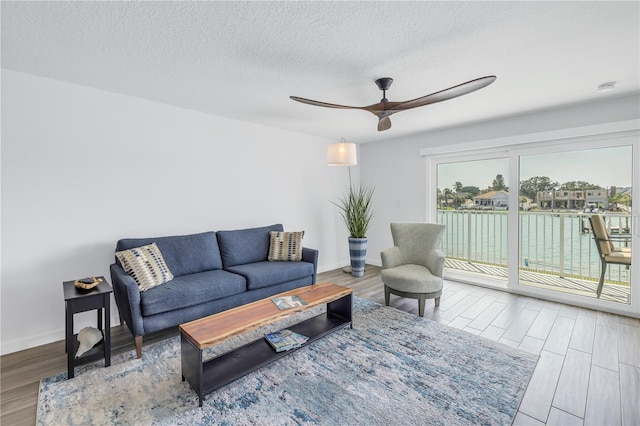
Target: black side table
{"x":77,"y":300}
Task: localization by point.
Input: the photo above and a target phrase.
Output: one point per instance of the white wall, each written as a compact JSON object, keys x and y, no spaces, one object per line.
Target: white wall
{"x":82,"y":168}
{"x":398,"y":171}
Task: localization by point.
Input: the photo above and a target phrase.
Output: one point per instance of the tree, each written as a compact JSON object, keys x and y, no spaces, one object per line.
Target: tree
{"x":498,"y":184}
{"x":441,"y":198}
{"x":458,"y":200}
{"x":447,"y":196}
{"x":530,"y":187}
{"x":457,"y":187}
{"x":621,"y":199}
{"x":578,"y":185}
{"x":523,"y":201}
{"x":471,"y":190}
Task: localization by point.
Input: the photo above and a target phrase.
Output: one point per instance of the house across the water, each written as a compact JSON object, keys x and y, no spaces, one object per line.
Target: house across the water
{"x":493,"y":200}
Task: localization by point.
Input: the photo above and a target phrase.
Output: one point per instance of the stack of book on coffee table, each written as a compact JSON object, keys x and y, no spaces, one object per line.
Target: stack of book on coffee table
{"x":285,"y":340}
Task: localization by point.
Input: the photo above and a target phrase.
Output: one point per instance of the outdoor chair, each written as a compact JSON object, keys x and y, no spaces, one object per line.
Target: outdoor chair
{"x":609,"y":254}
{"x":413,"y":267}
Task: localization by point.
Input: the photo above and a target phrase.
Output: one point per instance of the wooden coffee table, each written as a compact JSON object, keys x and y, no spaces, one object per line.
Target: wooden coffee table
{"x":195,"y":336}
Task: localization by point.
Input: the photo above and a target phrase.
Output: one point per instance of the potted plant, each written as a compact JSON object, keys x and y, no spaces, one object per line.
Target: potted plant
{"x":355,"y":209}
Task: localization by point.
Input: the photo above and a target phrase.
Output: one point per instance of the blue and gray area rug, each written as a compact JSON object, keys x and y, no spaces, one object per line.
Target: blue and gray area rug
{"x":392,"y":368}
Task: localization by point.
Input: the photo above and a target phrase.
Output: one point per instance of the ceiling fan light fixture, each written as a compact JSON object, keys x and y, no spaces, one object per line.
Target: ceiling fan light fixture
{"x":342,"y":154}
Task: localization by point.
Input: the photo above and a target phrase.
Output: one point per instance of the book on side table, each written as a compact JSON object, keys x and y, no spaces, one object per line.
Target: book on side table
{"x":285,"y":340}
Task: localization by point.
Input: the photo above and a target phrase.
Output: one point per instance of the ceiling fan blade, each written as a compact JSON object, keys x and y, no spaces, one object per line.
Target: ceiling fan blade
{"x":384,"y":124}
{"x":450,"y":93}
{"x":322,"y":104}
{"x":384,"y":109}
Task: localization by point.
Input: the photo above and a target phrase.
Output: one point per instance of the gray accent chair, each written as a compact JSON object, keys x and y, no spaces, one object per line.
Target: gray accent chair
{"x":413,"y":268}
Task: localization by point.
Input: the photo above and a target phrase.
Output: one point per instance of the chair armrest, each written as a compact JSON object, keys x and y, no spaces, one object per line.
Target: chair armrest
{"x":127,"y":295}
{"x":311,"y":256}
{"x":391,"y":257}
{"x":435,"y":262}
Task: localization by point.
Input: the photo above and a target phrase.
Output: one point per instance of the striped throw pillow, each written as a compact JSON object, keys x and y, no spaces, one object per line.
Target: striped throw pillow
{"x":146,"y":265}
{"x":286,"y":246}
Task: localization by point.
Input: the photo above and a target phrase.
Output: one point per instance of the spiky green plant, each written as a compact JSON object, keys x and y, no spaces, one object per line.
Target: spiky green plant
{"x":355,"y":209}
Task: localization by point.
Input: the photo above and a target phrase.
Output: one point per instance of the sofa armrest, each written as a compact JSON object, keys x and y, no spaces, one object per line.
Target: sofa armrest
{"x":391,"y":257}
{"x":435,"y":262}
{"x":311,"y":256}
{"x":127,"y":295}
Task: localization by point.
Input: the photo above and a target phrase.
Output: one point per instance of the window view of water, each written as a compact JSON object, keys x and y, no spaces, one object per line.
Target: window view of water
{"x":557,"y":192}
{"x":552,"y":243}
{"x":475,"y":236}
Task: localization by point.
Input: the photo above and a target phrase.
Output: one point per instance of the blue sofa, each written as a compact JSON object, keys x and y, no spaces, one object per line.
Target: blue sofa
{"x":213,"y":272}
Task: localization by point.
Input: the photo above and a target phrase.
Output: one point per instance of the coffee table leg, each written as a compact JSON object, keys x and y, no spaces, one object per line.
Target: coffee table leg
{"x":192,"y":366}
{"x":342,"y":308}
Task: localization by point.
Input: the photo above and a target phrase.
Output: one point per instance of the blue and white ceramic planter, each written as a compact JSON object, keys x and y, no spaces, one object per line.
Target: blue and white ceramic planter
{"x":358,"y":253}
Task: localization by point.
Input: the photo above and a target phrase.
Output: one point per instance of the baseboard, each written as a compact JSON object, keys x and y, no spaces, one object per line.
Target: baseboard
{"x":54,"y":336}
{"x":332,"y":266}
{"x":374,"y":262}
{"x":31,"y":342}
{"x":340,"y":265}
{"x":46,"y":338}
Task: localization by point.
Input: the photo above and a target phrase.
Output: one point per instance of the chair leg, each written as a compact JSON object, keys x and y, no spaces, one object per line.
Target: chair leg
{"x":421,"y":300}
{"x":601,"y":283}
{"x":387,"y":295}
{"x":437,"y":301}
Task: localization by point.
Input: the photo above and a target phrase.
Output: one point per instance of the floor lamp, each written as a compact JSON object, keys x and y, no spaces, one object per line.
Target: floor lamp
{"x":343,"y":154}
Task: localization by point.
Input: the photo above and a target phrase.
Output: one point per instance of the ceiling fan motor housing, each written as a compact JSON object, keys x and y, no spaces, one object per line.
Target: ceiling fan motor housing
{"x":384,"y":83}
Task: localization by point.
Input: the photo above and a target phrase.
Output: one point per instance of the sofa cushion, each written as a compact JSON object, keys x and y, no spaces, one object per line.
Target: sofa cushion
{"x":146,"y":265}
{"x":184,"y":254}
{"x":285,"y":246}
{"x":190,"y":290}
{"x":265,"y":274}
{"x":245,"y":245}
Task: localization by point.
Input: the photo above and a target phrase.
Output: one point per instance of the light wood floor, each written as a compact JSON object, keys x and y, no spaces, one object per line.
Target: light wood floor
{"x":588,"y":372}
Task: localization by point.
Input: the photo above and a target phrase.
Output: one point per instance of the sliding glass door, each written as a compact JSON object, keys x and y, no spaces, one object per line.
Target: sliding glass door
{"x":472,"y":202}
{"x":517,"y":217}
{"x":557,"y":247}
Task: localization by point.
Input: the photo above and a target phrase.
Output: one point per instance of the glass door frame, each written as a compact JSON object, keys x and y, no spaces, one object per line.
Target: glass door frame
{"x":432,"y":173}
{"x":604,"y":136}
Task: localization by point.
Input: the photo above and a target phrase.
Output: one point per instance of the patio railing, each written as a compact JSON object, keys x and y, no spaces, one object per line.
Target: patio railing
{"x":556,"y":243}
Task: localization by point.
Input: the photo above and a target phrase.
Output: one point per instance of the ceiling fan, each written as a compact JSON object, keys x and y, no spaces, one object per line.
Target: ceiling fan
{"x":384,"y":109}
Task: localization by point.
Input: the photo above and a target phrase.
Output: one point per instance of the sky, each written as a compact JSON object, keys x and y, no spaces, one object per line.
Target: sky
{"x":605,"y":167}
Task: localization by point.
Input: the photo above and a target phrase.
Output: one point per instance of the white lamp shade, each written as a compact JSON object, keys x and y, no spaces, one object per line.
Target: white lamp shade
{"x":342,"y":154}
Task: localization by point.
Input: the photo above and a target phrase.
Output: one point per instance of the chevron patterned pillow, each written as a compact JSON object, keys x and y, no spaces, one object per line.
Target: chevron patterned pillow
{"x":286,"y":246}
{"x":146,"y":265}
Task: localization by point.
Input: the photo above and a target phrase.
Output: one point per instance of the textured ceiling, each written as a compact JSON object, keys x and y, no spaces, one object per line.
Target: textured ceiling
{"x":244,"y":59}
